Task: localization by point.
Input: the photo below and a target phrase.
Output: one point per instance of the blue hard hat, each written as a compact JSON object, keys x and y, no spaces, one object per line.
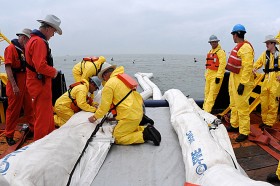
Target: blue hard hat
{"x":238,"y":28}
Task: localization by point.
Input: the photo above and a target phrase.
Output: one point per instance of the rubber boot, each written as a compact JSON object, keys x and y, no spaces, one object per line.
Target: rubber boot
{"x":150,"y":133}
{"x":10,"y":141}
{"x":272,"y":178}
{"x":241,"y":138}
{"x":232,"y":129}
{"x":146,"y":120}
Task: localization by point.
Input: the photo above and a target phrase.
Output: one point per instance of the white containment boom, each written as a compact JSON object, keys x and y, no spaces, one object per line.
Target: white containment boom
{"x":207,"y":152}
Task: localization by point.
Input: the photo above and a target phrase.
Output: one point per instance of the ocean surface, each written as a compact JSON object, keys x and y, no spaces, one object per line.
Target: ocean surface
{"x":176,"y":71}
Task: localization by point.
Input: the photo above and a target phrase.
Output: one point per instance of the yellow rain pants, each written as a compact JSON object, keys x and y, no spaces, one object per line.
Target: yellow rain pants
{"x":239,"y":104}
{"x":86,"y":69}
{"x":278,"y":171}
{"x":129,"y":112}
{"x":268,"y":96}
{"x":62,"y":106}
{"x":211,"y":88}
{"x":63,"y":114}
{"x":128,"y":132}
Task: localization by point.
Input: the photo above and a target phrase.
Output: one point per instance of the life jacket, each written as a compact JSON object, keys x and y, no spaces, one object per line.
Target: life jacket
{"x":212,"y":61}
{"x":275,"y":65}
{"x":234,"y":62}
{"x":74,"y":105}
{"x":49,"y":57}
{"x":21,"y":57}
{"x":90,"y":59}
{"x":130,"y":83}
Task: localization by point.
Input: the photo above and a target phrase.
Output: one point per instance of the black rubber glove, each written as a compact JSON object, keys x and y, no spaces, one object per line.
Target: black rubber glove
{"x":240,"y":89}
{"x":217,"y":80}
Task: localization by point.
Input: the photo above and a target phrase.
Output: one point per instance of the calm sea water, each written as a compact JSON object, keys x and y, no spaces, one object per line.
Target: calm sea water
{"x":176,"y":71}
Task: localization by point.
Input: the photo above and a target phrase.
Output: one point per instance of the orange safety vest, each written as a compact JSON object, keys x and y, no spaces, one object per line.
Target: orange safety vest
{"x":234,"y":62}
{"x":92,"y":59}
{"x":212,"y":61}
{"x":74,"y":105}
{"x":130,"y":83}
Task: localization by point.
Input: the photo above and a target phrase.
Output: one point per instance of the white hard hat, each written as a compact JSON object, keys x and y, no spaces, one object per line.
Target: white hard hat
{"x":213,"y":38}
{"x":105,"y":66}
{"x":96,"y":81}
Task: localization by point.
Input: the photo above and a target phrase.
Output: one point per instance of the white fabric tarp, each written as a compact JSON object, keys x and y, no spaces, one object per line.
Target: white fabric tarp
{"x":206,"y":147}
{"x":50,"y":160}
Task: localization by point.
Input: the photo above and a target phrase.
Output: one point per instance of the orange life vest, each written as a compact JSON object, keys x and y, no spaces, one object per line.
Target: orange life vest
{"x":74,"y":105}
{"x":212,"y":61}
{"x":130,"y":83}
{"x":92,"y":59}
{"x":234,"y":62}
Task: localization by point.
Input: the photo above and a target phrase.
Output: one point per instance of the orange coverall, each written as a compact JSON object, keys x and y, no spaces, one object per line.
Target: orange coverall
{"x":41,"y":92}
{"x":15,"y":103}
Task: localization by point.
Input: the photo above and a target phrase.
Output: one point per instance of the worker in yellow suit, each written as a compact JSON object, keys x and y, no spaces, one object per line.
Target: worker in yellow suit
{"x":88,"y":67}
{"x":241,"y":81}
{"x":129,"y":109}
{"x":214,"y":74}
{"x":278,"y":37}
{"x":269,"y":59}
{"x":75,"y":100}
{"x":274,"y":177}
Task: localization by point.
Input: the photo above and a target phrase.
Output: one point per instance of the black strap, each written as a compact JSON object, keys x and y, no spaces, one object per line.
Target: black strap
{"x":96,"y":70}
{"x":115,"y":106}
{"x":275,"y":65}
{"x":31,"y":68}
{"x":99,"y":69}
{"x":21,"y":57}
{"x":86,"y":145}
{"x":69,"y":93}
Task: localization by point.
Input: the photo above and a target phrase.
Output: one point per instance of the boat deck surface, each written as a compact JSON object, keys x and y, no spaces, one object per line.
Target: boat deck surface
{"x":147,"y":164}
{"x":256,"y":162}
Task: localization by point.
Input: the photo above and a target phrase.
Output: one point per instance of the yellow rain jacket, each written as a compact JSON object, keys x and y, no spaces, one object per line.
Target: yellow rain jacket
{"x":129,"y":111}
{"x":4,"y":78}
{"x":270,"y":86}
{"x":62,"y":106}
{"x":239,"y":104}
{"x":211,"y":88}
{"x":86,"y":69}
{"x":278,"y":37}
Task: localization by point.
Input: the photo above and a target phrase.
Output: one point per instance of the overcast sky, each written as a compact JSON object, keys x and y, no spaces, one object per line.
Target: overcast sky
{"x":143,"y":26}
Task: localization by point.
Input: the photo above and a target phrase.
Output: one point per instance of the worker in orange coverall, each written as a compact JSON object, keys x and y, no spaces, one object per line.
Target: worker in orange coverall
{"x":40,"y":72}
{"x":18,"y":96}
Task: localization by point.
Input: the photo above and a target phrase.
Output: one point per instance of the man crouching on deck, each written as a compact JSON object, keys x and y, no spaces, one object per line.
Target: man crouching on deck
{"x":128,"y":105}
